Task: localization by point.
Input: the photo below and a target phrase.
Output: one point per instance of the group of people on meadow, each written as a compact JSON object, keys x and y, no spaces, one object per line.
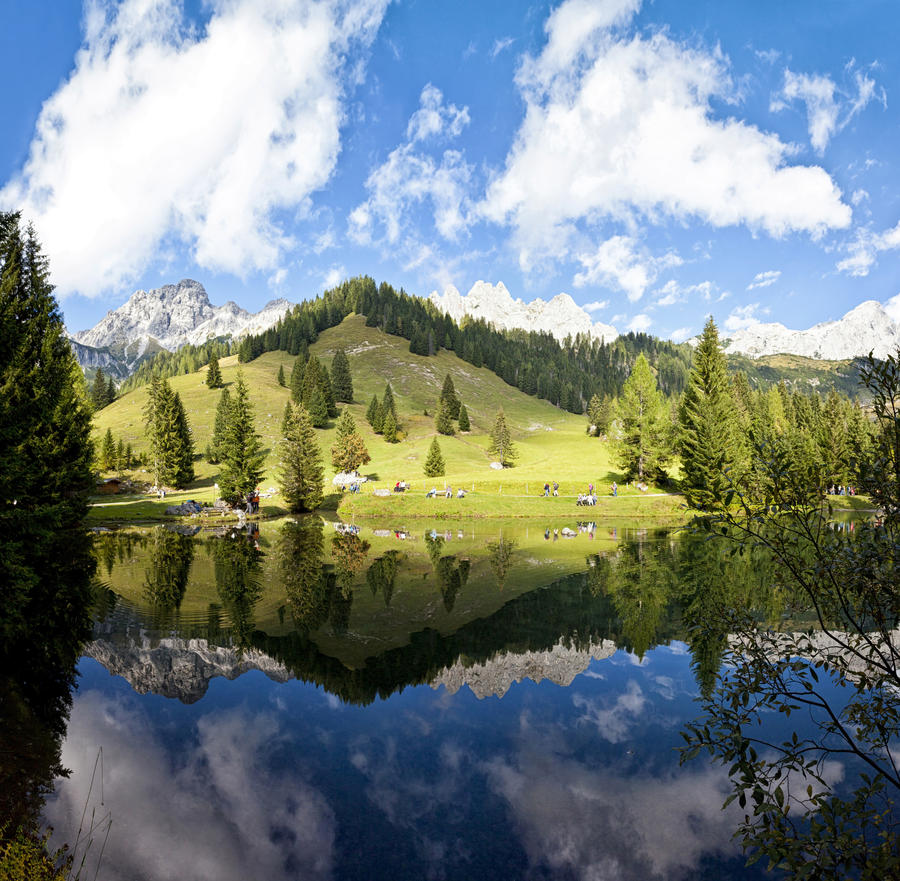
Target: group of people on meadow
{"x":584,"y":498}
{"x":840,"y":490}
{"x":447,"y":492}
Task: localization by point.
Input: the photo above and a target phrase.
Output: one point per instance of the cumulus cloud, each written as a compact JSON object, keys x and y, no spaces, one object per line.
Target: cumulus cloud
{"x":410,"y":177}
{"x":764,"y":279}
{"x":681,"y":334}
{"x":216,"y":807}
{"x":829,"y":108}
{"x":334,"y":277}
{"x":640,"y":323}
{"x":619,"y":261}
{"x":865,"y":248}
{"x":163,"y":133}
{"x":621,"y":126}
{"x":892,"y":307}
{"x":742,"y":317}
{"x":595,"y":306}
{"x":673,"y":292}
{"x":500,"y":45}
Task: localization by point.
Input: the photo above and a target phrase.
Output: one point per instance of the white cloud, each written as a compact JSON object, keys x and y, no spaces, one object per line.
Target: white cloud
{"x":334,"y":277}
{"x":829,"y":108}
{"x":435,"y":118}
{"x":764,"y":279}
{"x":859,"y":196}
{"x":213,"y":807}
{"x":672,"y":292}
{"x":618,"y":261}
{"x":595,"y":306}
{"x":680,"y":335}
{"x":892,"y":307}
{"x":500,"y":45}
{"x":640,"y":323}
{"x":410,"y":177}
{"x":866,"y":247}
{"x":742,"y":317}
{"x":163,"y":133}
{"x":621,"y":126}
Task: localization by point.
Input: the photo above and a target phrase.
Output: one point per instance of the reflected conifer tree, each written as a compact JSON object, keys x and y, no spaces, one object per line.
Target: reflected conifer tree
{"x":168,"y":570}
{"x":238,"y":561}
{"x":302,"y":565}
{"x":500,"y":559}
{"x":449,"y":581}
{"x":349,"y":553}
{"x":381,"y":574}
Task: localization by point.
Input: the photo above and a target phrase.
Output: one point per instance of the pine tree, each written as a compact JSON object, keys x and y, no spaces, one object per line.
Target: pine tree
{"x":218,"y":438}
{"x":296,"y":383}
{"x":341,"y":379}
{"x":110,"y":391}
{"x":129,"y":456}
{"x":387,"y":402}
{"x":389,"y":428}
{"x":100,"y":390}
{"x":242,"y":456}
{"x":641,"y":448}
{"x":182,"y":467}
{"x":317,"y":407}
{"x":327,"y":391}
{"x":372,"y":411}
{"x":443,"y":421}
{"x":213,"y":373}
{"x":121,"y":464}
{"x":463,"y":418}
{"x":169,"y":434}
{"x":281,"y":379}
{"x":378,"y":420}
{"x":707,"y":425}
{"x":434,"y":462}
{"x":301,"y":479}
{"x":286,"y":419}
{"x":501,"y":442}
{"x":448,"y":395}
{"x":108,"y":452}
{"x":349,"y":451}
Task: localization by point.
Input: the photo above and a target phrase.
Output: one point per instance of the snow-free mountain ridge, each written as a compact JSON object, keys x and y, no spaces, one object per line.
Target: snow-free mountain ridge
{"x":174,"y":315}
{"x":870,"y":326}
{"x":560,"y":316}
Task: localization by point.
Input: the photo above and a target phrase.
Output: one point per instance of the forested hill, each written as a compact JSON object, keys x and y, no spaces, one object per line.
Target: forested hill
{"x":567,"y":374}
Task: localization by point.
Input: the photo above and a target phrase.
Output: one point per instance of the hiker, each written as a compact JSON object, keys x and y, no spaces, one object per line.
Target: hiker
{"x":249,"y":501}
{"x":590,"y":489}
{"x":555,"y":488}
{"x":546,"y":489}
{"x":615,"y":489}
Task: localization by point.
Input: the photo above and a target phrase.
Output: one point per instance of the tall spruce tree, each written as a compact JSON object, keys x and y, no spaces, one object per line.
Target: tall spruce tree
{"x":463,"y":418}
{"x":183,"y":456}
{"x":100,"y":391}
{"x":707,"y":425}
{"x":434,"y":461}
{"x":110,"y":390}
{"x":341,"y":380}
{"x":501,"y":444}
{"x":389,"y":428}
{"x":108,"y":451}
{"x":121,"y":462}
{"x":296,"y":382}
{"x":301,"y":478}
{"x":349,"y":451}
{"x":372,"y":411}
{"x":213,"y":373}
{"x":281,"y":380}
{"x":448,"y":395}
{"x":387,"y":402}
{"x":642,"y":445}
{"x":443,"y":421}
{"x":169,"y":436}
{"x":242,"y":455}
{"x":221,"y":420}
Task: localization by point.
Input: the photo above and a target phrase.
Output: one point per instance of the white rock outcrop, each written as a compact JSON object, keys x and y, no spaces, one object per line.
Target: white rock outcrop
{"x":560,"y":316}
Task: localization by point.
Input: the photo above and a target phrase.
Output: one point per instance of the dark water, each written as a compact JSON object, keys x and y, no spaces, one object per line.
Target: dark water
{"x":488,"y":701}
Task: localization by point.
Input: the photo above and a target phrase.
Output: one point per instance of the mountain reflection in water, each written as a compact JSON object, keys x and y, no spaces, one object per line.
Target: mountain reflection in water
{"x":299,"y":745}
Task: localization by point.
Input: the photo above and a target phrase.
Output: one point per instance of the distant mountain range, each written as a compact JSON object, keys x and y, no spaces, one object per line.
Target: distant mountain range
{"x":166,"y":318}
{"x":870,"y":326}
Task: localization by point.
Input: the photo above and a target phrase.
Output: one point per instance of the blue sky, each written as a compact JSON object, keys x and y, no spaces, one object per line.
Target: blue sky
{"x":659,"y":161}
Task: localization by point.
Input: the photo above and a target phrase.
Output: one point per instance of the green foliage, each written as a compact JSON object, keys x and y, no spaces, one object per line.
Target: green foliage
{"x":281,"y":380}
{"x":501,"y":444}
{"x":221,"y":421}
{"x":213,"y":373}
{"x":387,"y":403}
{"x":27,"y":857}
{"x":169,"y":436}
{"x":434,"y":462}
{"x":450,"y":398}
{"x":707,"y":425}
{"x":301,"y":480}
{"x":600,"y":413}
{"x":341,"y":379}
{"x":286,"y":418}
{"x":443,"y":421}
{"x":296,"y":383}
{"x":389,"y":428}
{"x":108,"y":452}
{"x":845,"y":681}
{"x":372,"y":412}
{"x":241,"y":451}
{"x":349,"y":451}
{"x":642,"y":445}
{"x":164,"y":364}
{"x":463,"y":418}
{"x":103,"y":392}
{"x":315,"y":391}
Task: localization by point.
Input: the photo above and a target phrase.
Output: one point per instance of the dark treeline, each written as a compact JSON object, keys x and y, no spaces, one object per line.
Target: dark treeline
{"x":567,"y":375}
{"x":188,"y":359}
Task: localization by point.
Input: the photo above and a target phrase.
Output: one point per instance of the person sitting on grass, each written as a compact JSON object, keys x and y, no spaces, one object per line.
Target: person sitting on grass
{"x":449,"y":492}
{"x":460,"y":493}
{"x":431,"y":493}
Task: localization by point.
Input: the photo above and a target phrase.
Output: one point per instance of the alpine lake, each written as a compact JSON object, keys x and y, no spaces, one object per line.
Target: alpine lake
{"x":470,"y":700}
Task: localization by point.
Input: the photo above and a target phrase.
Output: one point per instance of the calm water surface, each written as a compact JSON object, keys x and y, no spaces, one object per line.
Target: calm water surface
{"x":487,"y":701}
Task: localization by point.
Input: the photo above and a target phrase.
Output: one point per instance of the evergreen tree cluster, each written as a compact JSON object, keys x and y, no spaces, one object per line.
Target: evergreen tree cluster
{"x":448,"y":409}
{"x":382,"y":416}
{"x":349,"y":451}
{"x":567,"y":375}
{"x":213,"y":373}
{"x":113,"y":455}
{"x":301,"y":480}
{"x":169,"y":434}
{"x":239,"y":447}
{"x":311,"y":386}
{"x":165,"y":365}
{"x":103,"y":390}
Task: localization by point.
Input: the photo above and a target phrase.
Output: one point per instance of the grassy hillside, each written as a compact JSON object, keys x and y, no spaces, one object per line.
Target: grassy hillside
{"x":803,"y":374}
{"x":552,"y":444}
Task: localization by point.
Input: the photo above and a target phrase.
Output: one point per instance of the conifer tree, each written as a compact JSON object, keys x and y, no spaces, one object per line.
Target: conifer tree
{"x":129,"y":456}
{"x":214,"y":451}
{"x":448,"y":395}
{"x":182,"y":472}
{"x":387,"y":402}
{"x":327,"y":391}
{"x":121,"y":464}
{"x":301,"y":479}
{"x":641,"y":448}
{"x":341,"y":380}
{"x":463,"y":418}
{"x":213,"y":373}
{"x":171,"y":446}
{"x":110,"y":391}
{"x":317,"y":407}
{"x":241,"y":452}
{"x":372,"y":411}
{"x":389,"y":428}
{"x":443,"y":421}
{"x":100,"y":390}
{"x":286,"y":419}
{"x":434,"y":462}
{"x":108,"y":451}
{"x":296,"y":383}
{"x":707,"y":425}
{"x":501,"y":444}
{"x":281,"y":380}
{"x":349,"y":451}
{"x":378,"y":420}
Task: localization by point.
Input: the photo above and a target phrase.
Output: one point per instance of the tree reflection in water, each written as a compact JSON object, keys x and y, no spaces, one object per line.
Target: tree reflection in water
{"x":238,"y":559}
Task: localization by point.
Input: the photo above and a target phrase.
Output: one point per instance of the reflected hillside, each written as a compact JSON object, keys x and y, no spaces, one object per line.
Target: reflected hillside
{"x":366,"y":612}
